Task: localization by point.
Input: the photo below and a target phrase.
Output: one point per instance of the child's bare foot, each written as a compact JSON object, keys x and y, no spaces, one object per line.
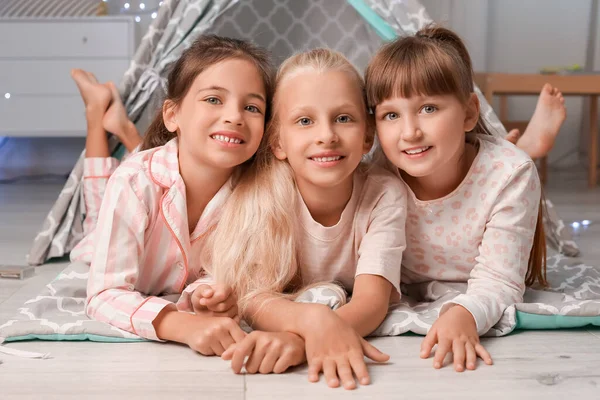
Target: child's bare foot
{"x":550,"y":113}
{"x":117,"y":122}
{"x":96,"y":97}
{"x":513,"y":136}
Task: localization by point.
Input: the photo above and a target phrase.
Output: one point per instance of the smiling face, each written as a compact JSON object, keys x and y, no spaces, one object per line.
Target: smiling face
{"x":424,"y":136}
{"x":322,"y":126}
{"x":220,"y":122}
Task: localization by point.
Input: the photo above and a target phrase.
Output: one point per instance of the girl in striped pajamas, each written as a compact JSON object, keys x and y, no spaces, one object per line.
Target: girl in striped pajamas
{"x":147,"y":219}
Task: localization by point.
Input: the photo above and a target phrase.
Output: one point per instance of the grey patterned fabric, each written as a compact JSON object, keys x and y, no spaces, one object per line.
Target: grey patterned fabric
{"x":57,"y":313}
{"x":574,"y":291}
{"x":177,"y":24}
{"x":283,"y":27}
{"x":288,"y":26}
{"x":59,"y":310}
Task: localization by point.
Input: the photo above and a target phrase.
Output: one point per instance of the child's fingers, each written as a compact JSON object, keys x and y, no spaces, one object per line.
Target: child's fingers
{"x":221,"y":293}
{"x":483,"y":353}
{"x":471,"y":356}
{"x":373,"y":352}
{"x":330,"y":373}
{"x":242,"y":350}
{"x":199,"y":296}
{"x":217,"y":348}
{"x":216,"y":305}
{"x":444,"y":347}
{"x":204,"y":291}
{"x":256,"y":358}
{"x":268,"y":363}
{"x":459,"y":353}
{"x":283,"y":363}
{"x":231,"y":313}
{"x":226,"y":341}
{"x":314,"y":369}
{"x":228,"y":354}
{"x":428,"y":343}
{"x":236,"y":332}
{"x":345,"y":374}
{"x":359,"y":367}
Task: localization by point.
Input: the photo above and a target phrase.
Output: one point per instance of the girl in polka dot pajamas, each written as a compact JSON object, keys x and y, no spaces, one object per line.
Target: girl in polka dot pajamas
{"x":474,"y":200}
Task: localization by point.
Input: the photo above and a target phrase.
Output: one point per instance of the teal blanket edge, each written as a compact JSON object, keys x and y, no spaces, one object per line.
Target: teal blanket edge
{"x":73,"y":338}
{"x":527,"y":321}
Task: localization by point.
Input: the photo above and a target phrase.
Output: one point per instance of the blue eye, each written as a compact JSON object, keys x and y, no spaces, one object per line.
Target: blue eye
{"x":390,"y":116}
{"x":252,"y":109}
{"x":429,"y":109}
{"x":344,"y":119}
{"x":304,"y":121}
{"x":213,"y":100}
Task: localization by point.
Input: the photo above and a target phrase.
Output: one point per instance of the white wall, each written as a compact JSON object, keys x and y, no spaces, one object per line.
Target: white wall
{"x":523,"y":36}
{"x":527,"y":35}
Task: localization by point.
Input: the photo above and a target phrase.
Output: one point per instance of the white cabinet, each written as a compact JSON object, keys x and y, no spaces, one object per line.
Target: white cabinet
{"x":36,"y":56}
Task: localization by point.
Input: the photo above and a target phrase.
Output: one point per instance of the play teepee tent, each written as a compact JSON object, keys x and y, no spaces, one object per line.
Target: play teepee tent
{"x":354,"y":27}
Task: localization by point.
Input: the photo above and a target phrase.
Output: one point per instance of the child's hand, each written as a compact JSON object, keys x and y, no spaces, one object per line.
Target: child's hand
{"x":456,"y":332}
{"x":212,"y":335}
{"x":214,"y":300}
{"x":267,"y":352}
{"x":334,"y":347}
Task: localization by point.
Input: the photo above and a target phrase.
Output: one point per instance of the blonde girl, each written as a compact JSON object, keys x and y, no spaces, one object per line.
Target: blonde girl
{"x":310,"y":211}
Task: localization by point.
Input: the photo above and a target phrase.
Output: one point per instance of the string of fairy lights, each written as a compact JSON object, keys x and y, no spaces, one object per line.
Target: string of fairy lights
{"x":139,"y":8}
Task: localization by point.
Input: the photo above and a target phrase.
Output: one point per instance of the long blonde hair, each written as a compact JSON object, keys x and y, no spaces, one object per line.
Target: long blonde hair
{"x":253,"y":247}
{"x":435,"y":61}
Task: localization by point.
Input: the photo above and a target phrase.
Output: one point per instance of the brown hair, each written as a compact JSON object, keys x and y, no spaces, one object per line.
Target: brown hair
{"x":206,"y":51}
{"x":436,"y":62}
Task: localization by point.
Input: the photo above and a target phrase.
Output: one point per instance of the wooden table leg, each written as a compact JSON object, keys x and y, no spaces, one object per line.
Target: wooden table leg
{"x":593,"y":156}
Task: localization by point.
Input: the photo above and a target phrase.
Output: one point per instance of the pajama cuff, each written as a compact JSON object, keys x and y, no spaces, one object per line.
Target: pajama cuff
{"x":142,"y":318}
{"x":472,"y":305}
{"x":99,"y":167}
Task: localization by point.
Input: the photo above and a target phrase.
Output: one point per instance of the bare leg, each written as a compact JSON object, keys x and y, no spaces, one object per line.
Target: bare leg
{"x":550,"y":113}
{"x":96,"y":98}
{"x":117,"y":122}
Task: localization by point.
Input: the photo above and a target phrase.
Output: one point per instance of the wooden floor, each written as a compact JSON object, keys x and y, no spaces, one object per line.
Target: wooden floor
{"x":547,"y":364}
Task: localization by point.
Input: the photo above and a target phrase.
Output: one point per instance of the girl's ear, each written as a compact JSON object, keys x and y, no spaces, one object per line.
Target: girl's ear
{"x":278,"y":150}
{"x":472,"y":114}
{"x":169,"y":111}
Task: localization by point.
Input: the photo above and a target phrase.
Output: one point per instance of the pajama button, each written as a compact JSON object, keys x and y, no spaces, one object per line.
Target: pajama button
{"x":179,"y":265}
